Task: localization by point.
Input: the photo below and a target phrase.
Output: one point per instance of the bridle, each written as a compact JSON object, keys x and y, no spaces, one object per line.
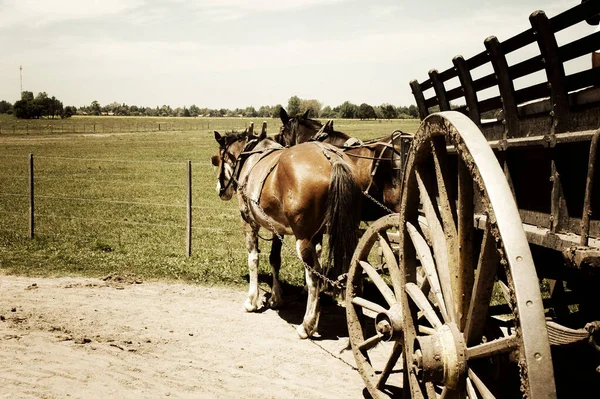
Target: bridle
{"x":237,"y":164}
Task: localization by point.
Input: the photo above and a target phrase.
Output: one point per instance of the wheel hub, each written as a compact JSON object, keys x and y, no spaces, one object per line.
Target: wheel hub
{"x":389,"y":324}
{"x":441,"y":357}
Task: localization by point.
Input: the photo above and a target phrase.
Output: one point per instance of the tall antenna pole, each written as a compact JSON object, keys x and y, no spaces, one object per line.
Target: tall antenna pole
{"x":21,"y":76}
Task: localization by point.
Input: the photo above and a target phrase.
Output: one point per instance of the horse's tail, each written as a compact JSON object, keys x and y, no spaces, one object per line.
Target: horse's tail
{"x":342,"y":217}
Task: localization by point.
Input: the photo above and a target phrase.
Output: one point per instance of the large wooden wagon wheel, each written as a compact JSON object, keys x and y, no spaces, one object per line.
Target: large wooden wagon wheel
{"x":449,"y":351}
{"x":373,"y":307}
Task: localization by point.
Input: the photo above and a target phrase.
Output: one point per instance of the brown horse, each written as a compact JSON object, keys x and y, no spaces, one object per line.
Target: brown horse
{"x":378,"y":161}
{"x":299,"y":191}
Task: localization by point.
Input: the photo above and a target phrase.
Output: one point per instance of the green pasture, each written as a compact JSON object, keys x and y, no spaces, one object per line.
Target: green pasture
{"x":114,"y":201}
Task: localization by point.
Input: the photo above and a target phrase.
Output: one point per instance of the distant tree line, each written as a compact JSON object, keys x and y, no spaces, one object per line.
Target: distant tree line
{"x":40,"y":106}
{"x":295,"y":106}
{"x":44,"y":106}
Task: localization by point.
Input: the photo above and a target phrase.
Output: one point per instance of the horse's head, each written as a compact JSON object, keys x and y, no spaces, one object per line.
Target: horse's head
{"x":231,"y":146}
{"x":297,"y":129}
{"x":233,"y":151}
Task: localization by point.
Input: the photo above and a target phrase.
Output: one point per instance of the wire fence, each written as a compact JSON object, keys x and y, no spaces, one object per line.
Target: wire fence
{"x":118,"y":125}
{"x":50,"y":200}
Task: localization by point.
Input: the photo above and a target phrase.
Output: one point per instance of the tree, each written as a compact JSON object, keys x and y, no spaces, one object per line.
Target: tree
{"x":95,"y":108}
{"x":275,"y":111}
{"x":348,"y":110}
{"x":250,"y":112}
{"x":388,"y":111}
{"x":328,"y":113}
{"x":27,"y":96}
{"x":265,"y":111}
{"x":6,"y":107}
{"x":413,"y":111}
{"x":313,"y":106}
{"x":294,"y":107}
{"x":68,"y":112}
{"x":366,"y":111}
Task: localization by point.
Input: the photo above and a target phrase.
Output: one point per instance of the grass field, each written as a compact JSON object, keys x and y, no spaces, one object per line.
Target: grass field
{"x":115,"y":202}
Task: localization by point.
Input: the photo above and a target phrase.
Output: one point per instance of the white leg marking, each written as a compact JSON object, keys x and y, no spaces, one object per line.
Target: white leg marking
{"x":251,"y":303}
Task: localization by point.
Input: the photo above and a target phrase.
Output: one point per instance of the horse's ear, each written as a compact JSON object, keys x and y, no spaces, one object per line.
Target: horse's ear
{"x":251,"y":129}
{"x":305,"y":115}
{"x":283,"y":115}
{"x":219,"y":138}
{"x":263,"y":131}
{"x":214,"y":160}
{"x":329,"y":125}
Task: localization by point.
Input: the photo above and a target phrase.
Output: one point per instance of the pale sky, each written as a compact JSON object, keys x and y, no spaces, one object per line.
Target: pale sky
{"x":237,"y":53}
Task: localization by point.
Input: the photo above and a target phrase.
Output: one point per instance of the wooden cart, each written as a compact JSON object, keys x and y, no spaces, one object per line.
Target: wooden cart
{"x":488,"y":282}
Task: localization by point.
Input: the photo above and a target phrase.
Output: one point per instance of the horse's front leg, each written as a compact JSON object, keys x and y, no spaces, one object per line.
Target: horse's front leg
{"x":251,"y":304}
{"x":275,"y":260}
{"x":306,"y":251}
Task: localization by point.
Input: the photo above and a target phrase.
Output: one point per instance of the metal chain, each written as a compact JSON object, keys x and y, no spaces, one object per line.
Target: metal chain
{"x":385,"y":208}
{"x":338,"y":283}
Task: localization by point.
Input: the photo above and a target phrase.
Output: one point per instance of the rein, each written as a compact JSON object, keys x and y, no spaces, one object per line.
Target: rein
{"x":239,"y":162}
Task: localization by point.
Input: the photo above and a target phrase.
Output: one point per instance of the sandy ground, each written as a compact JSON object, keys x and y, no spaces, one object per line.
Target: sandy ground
{"x":92,"y":338}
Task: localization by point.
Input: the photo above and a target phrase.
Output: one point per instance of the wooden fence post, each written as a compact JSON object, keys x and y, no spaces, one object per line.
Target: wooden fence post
{"x":189,"y":209}
{"x":31,"y":198}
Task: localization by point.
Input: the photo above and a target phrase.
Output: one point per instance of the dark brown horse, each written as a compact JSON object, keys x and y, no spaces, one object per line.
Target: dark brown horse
{"x":378,"y":161}
{"x":299,"y":191}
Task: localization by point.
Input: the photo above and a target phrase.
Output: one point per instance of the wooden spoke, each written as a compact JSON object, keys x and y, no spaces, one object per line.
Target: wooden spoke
{"x":471,"y":390}
{"x":423,"y":304}
{"x":430,"y":389}
{"x":370,"y":343}
{"x":372,"y":306}
{"x":447,"y":211}
{"x":429,"y":266}
{"x":390,"y":259}
{"x":415,"y":386}
{"x":482,"y":288}
{"x":497,"y":346}
{"x":506,"y":293}
{"x":381,"y":285}
{"x":484,"y":392}
{"x":465,"y":216}
{"x":426,"y":330}
{"x":451,"y":394}
{"x":438,"y":241}
{"x":389,"y":365}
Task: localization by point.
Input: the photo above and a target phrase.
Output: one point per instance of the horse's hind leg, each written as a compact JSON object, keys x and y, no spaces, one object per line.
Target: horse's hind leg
{"x":306,"y":251}
{"x":275,"y":260}
{"x":251,"y":304}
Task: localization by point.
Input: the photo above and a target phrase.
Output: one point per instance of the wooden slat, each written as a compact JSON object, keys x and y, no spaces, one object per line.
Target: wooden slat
{"x":505,"y":85}
{"x":478,"y":60}
{"x":466,"y":81}
{"x":584,"y":46}
{"x":455,"y":93}
{"x":526,"y":67}
{"x":419,"y":98}
{"x":575,"y":15}
{"x":518,"y":41}
{"x":440,"y":90}
{"x":555,"y":71}
{"x":485,"y":82}
{"x":448,"y":74}
{"x":576,"y":81}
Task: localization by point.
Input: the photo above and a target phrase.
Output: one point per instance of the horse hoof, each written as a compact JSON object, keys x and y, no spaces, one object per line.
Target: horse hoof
{"x":249,"y":307}
{"x":301,"y":332}
{"x":275,"y":303}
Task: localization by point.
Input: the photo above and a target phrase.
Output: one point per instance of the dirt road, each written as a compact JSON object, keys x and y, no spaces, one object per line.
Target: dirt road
{"x":91,"y":338}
